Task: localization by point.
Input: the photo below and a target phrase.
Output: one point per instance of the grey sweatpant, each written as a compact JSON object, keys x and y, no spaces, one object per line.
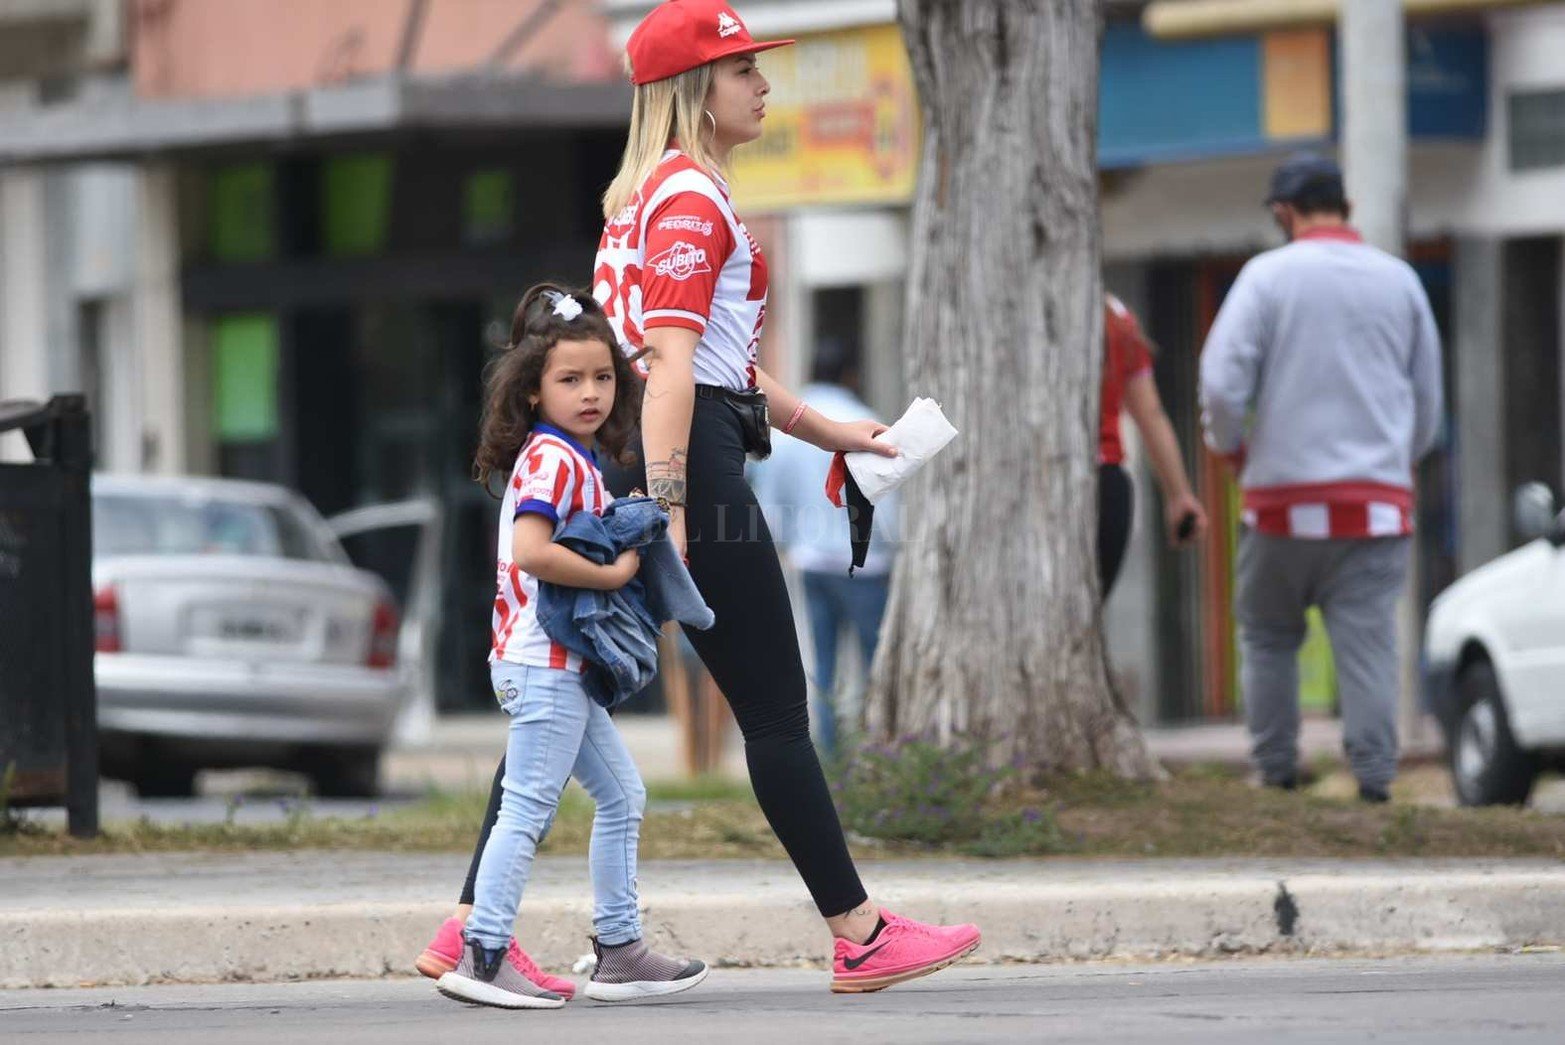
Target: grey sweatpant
{"x":1356,"y":584}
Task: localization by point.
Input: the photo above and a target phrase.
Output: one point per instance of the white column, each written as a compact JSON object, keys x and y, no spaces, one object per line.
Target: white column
{"x":1374,"y":118}
{"x":885,"y":379}
{"x":24,"y":316}
{"x":120,"y":409}
{"x":1483,"y":501}
{"x":157,"y":321}
{"x":1374,"y":151}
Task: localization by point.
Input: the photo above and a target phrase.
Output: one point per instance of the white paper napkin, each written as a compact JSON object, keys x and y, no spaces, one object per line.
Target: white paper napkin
{"x":920,"y":433}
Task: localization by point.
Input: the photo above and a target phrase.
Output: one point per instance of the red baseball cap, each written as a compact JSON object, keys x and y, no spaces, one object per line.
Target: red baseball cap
{"x":681,"y":35}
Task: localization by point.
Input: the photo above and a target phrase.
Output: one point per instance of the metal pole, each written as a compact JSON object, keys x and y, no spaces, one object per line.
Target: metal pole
{"x":73,"y":459}
{"x":412,"y":29}
{"x":525,"y":31}
{"x":1373,"y":39}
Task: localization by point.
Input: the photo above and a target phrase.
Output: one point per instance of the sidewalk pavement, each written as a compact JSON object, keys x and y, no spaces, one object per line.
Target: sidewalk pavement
{"x":198,"y":917}
{"x":464,"y":749}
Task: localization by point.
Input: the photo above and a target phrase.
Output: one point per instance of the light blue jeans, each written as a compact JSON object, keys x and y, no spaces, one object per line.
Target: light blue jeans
{"x":558,"y":731}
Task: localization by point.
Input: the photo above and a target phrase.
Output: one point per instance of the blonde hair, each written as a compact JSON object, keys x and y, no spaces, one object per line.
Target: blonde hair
{"x":674,"y":108}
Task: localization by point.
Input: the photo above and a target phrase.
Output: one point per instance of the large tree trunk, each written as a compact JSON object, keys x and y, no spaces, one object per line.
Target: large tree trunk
{"x":994,"y":628}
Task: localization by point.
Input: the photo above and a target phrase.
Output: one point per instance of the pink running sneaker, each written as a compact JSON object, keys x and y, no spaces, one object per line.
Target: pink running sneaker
{"x":445,"y":950}
{"x":904,"y":950}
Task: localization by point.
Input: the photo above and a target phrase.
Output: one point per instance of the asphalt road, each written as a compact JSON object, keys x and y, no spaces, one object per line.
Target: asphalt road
{"x":1462,"y":999}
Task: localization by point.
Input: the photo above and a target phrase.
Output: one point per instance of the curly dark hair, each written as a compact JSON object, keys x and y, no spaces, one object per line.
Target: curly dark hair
{"x":517,"y":373}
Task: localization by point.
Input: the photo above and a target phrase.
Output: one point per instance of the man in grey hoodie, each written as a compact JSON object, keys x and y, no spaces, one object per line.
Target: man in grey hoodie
{"x":1320,"y":382}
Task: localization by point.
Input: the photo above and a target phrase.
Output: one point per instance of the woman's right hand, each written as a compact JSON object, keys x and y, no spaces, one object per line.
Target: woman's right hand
{"x":622,"y":569}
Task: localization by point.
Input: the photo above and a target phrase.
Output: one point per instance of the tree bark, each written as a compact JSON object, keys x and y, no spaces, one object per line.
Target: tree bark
{"x":993,"y":632}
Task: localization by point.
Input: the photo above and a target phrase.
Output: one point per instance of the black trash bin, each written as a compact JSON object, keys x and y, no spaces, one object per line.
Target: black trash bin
{"x":48,"y":703}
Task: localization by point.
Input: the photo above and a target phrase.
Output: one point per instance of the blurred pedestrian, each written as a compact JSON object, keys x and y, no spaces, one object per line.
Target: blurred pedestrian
{"x":812,"y":536}
{"x":1128,"y":385}
{"x":1321,"y":382}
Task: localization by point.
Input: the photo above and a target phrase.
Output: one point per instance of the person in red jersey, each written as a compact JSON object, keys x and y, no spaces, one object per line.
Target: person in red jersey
{"x":685,"y":284}
{"x":1128,"y":386}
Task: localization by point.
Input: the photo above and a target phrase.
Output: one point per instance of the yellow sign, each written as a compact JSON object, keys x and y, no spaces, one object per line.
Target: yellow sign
{"x":1297,"y":83}
{"x":842,"y":124}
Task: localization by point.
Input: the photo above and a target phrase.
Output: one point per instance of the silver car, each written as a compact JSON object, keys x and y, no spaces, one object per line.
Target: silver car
{"x":233,"y":631}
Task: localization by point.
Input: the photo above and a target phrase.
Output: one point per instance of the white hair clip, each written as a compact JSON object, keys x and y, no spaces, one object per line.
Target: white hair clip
{"x":567,"y":307}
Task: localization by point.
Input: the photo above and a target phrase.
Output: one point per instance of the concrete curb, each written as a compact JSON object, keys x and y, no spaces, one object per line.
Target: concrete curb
{"x":1023,"y":920}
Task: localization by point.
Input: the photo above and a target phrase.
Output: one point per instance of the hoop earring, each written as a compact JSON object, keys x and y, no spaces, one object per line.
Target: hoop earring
{"x":708,"y":114}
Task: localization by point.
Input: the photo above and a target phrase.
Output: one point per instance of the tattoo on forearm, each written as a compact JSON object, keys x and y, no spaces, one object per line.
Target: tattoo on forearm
{"x":667,"y":478}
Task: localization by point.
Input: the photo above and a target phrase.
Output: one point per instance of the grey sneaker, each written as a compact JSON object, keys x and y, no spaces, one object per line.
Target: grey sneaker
{"x":633,"y":970}
{"x":484,"y":977}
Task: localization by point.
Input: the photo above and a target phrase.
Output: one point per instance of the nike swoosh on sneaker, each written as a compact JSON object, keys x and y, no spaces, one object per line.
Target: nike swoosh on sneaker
{"x":854,"y":963}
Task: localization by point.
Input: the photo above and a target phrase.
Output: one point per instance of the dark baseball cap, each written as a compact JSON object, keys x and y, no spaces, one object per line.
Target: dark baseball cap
{"x":1306,"y":173}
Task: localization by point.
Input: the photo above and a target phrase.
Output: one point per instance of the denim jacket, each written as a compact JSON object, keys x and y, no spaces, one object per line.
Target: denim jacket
{"x":616,"y":632}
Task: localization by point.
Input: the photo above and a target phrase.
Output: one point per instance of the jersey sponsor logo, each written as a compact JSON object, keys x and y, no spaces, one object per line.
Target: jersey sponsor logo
{"x":627,"y":213}
{"x":681,"y":261}
{"x":727,"y":25}
{"x":686,"y":223}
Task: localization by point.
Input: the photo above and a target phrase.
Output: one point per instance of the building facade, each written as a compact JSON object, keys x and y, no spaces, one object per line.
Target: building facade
{"x":1189,"y":133}
{"x":292,"y":235}
{"x":279,"y":238}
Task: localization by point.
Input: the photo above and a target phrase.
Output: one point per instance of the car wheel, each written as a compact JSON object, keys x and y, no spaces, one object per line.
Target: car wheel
{"x":1487,"y":766}
{"x":345,"y":772}
{"x":160,"y":776}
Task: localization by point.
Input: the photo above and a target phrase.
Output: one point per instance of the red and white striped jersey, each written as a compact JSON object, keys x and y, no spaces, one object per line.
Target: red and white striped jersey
{"x":678,"y":256}
{"x":1322,"y":511}
{"x":1125,"y":358}
{"x":555,"y":478}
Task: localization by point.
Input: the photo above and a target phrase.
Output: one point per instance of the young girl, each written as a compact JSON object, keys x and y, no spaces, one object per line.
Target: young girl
{"x":560,"y":393}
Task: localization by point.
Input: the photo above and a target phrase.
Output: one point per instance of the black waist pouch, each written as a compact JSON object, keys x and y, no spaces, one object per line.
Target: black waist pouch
{"x":755,"y":422}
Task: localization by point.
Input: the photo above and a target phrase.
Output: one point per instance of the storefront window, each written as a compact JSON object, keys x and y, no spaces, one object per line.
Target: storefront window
{"x":243,"y":205}
{"x":244,"y":394}
{"x":356,"y":198}
{"x":488,"y":207}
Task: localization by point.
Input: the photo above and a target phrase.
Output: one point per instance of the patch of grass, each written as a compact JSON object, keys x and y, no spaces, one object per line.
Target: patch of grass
{"x":1203,"y":816}
{"x":1196,"y":813}
{"x":708,"y":788}
{"x":915,"y":792}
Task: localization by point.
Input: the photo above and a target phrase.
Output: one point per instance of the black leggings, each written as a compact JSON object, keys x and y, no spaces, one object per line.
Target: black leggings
{"x":1116,"y":506}
{"x":753,"y":654}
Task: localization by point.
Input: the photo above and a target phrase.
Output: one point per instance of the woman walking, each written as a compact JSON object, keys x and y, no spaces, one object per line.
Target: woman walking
{"x":684,"y":286}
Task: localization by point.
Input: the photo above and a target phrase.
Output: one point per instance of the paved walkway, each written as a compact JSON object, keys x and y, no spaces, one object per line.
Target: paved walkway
{"x":276,"y":916}
{"x":465,"y":748}
{"x":1505,"y":1000}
